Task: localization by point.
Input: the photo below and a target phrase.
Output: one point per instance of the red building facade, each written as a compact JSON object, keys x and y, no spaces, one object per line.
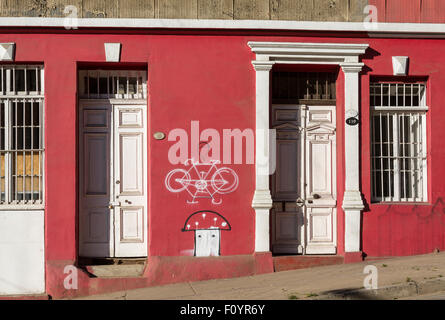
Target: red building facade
{"x":381,"y":203}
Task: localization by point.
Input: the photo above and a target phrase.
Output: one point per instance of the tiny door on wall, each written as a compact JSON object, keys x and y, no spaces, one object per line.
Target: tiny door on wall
{"x":207,"y":243}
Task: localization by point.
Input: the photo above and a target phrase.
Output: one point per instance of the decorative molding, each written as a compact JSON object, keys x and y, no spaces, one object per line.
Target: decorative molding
{"x":323,"y":50}
{"x":352,"y":200}
{"x":400,"y":66}
{"x":378,"y":29}
{"x":112,"y":52}
{"x":262,"y":199}
{"x":349,"y":67}
{"x":263,"y":65}
{"x":7,"y":51}
{"x":346,"y":55}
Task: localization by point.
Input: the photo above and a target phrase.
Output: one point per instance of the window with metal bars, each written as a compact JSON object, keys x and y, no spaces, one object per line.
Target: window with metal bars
{"x":303,"y":87}
{"x":21,"y":136}
{"x":112,"y":84}
{"x":398,"y":142}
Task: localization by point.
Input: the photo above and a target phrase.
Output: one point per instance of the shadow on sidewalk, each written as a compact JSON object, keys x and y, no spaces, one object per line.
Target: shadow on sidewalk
{"x":349,"y":294}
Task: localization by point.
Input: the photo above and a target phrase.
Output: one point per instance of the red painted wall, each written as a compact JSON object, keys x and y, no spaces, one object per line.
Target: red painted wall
{"x":414,"y":11}
{"x":393,"y":230}
{"x":209,"y":77}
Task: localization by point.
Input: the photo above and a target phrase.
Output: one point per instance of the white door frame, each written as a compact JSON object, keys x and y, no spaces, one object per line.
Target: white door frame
{"x":112,"y":105}
{"x":347,"y":57}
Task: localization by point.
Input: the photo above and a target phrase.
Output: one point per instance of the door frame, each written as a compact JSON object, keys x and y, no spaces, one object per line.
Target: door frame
{"x":81,"y":103}
{"x":347,"y":57}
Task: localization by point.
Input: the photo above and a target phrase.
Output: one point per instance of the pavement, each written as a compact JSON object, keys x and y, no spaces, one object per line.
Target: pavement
{"x":435,"y":296}
{"x":397,"y":278}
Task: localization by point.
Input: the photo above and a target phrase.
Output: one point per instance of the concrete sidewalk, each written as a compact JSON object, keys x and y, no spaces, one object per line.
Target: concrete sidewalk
{"x":397,"y":278}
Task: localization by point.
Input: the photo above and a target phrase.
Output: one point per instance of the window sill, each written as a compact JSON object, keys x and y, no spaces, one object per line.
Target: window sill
{"x":401,"y":203}
{"x":21,"y":207}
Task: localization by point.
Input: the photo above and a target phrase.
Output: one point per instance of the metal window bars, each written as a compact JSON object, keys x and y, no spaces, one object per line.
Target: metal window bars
{"x":298,"y":87}
{"x":21,"y":136}
{"x":112,"y":84}
{"x":398,"y":142}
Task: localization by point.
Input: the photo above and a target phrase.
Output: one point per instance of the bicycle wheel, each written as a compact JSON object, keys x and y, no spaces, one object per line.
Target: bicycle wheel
{"x":177,"y":180}
{"x":224,"y":180}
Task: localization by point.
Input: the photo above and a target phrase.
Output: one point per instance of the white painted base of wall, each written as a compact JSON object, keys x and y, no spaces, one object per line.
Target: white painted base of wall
{"x":22,"y":258}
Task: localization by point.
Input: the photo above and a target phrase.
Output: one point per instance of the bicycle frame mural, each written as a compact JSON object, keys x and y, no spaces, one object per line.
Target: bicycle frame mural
{"x":202,"y":181}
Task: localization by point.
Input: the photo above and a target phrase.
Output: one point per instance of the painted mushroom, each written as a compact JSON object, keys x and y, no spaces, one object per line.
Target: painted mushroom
{"x":207,"y":226}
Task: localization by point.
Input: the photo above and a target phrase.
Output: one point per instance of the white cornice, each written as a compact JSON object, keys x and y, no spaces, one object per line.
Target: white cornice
{"x":422,"y":29}
{"x":305,"y":48}
{"x":345,"y":54}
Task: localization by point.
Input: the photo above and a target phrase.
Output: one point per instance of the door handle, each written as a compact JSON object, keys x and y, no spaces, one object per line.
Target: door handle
{"x":111,"y":205}
{"x":316,"y":196}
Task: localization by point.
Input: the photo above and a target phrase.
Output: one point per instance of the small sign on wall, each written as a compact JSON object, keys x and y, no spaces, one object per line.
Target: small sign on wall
{"x":352,"y":121}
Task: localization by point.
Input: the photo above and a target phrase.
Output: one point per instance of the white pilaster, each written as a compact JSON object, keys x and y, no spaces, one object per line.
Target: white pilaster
{"x":262,"y":200}
{"x":352,"y":201}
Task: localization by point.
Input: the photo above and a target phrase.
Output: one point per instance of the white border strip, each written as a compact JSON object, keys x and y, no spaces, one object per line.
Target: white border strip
{"x":372,"y":28}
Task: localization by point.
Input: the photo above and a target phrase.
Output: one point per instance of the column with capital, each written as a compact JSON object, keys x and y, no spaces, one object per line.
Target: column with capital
{"x":262,"y":199}
{"x":352,"y":200}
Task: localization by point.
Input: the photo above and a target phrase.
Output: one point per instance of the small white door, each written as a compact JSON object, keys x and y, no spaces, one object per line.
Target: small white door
{"x":113,"y":186}
{"x":207,"y":243}
{"x":320,"y":180}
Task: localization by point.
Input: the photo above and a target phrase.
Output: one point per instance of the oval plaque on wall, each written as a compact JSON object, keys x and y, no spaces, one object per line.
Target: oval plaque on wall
{"x":159,"y":135}
{"x":352,"y":121}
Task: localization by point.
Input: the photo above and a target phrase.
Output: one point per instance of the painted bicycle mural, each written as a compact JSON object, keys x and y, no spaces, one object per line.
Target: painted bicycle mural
{"x":202,"y":181}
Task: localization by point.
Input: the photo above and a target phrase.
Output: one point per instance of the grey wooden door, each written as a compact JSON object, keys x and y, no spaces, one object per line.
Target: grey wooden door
{"x":287,"y":183}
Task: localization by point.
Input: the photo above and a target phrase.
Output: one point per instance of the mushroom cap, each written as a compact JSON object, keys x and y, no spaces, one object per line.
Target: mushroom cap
{"x":206,"y":220}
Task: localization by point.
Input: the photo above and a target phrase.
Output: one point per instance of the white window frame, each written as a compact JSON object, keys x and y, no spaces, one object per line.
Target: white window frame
{"x":394,"y":113}
{"x":9,"y":96}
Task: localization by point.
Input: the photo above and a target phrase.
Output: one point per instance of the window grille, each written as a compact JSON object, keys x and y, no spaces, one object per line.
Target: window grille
{"x":112,"y":84}
{"x":303,"y":87}
{"x":21,"y":135}
{"x":398,"y":142}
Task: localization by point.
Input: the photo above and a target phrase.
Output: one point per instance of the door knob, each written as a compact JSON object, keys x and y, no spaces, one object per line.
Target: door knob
{"x":316,"y":196}
{"x":300,"y":202}
{"x":117,"y":182}
{"x":110,"y":206}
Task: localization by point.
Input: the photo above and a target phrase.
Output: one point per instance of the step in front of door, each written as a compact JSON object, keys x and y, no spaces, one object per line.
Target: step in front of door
{"x":116,"y":271}
{"x":284,"y":263}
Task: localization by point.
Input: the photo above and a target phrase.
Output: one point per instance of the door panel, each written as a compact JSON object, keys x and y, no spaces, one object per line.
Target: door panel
{"x":131,"y":164}
{"x":319,"y":169}
{"x":113,"y":197}
{"x":132,"y":222}
{"x":96,"y":173}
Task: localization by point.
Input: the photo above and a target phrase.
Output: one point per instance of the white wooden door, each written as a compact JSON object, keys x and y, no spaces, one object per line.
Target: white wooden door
{"x":113,"y":186}
{"x":130,"y":181}
{"x":320,"y":177}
